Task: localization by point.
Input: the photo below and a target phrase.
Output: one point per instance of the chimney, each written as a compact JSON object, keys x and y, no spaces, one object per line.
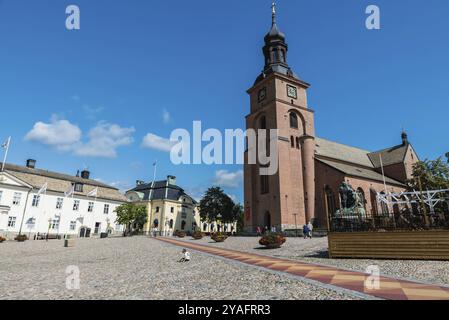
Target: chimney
{"x":85,"y":174}
{"x":31,"y":163}
{"x":171,"y":180}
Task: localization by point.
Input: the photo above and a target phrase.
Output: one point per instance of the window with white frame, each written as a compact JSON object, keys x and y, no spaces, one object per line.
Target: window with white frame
{"x":12,"y":222}
{"x":16,"y":198}
{"x":90,"y":208}
{"x":59,"y":203}
{"x":76,"y":205}
{"x":72,"y":225}
{"x":36,"y":200}
{"x":106,"y":209}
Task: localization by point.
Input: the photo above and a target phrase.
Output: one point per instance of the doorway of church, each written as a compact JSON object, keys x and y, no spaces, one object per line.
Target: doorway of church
{"x":267,"y":220}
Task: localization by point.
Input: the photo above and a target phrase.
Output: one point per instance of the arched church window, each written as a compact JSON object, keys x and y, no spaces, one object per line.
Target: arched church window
{"x":264,"y":184}
{"x":384,"y":206}
{"x":263,"y":123}
{"x":330,"y":201}
{"x":292,"y":141}
{"x":183,"y":225}
{"x":298,"y":143}
{"x":362,"y":198}
{"x":374,"y":206}
{"x":293,"y":120}
{"x":275,"y":55}
{"x":282,"y":55}
{"x":171,"y":224}
{"x":205,"y":227}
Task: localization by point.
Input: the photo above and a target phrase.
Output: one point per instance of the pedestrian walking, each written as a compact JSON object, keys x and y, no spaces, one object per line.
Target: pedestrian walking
{"x":310,"y":226}
{"x":305,"y":231}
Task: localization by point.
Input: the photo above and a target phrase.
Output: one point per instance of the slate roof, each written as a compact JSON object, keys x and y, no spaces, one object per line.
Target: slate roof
{"x":354,"y":171}
{"x":390,"y":156}
{"x":334,"y":150}
{"x":161,"y":190}
{"x":342,"y":152}
{"x":58,"y":182}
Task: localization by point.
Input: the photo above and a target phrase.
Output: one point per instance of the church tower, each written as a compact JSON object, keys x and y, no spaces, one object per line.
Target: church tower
{"x":279,"y":101}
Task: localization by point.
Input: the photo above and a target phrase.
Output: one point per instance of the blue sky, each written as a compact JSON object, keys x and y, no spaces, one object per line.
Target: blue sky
{"x":140,"y":67}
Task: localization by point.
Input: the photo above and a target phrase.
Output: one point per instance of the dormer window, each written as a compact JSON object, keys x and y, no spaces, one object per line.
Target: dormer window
{"x":79,"y":187}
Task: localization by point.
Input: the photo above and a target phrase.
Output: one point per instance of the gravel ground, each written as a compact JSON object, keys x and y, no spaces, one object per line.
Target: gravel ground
{"x":141,"y":268}
{"x":315,"y":251}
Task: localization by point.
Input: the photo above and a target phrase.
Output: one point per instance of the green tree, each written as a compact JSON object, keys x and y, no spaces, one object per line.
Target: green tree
{"x":215,"y":202}
{"x":239,"y":216}
{"x":129,"y":214}
{"x":429,"y":175}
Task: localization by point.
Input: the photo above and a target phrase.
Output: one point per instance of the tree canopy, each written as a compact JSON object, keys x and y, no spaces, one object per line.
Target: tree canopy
{"x":130,"y":213}
{"x":430,"y":175}
{"x":215,"y":202}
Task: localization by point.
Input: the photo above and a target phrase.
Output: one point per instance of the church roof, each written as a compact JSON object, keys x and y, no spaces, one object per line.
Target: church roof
{"x":59,"y":182}
{"x":355,"y":171}
{"x":334,"y":150}
{"x":390,"y":156}
{"x":160,"y":190}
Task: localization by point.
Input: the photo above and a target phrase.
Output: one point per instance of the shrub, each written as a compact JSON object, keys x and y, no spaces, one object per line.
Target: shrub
{"x":197,"y":235}
{"x":219,"y":237}
{"x":273,"y":240}
{"x":21,"y":238}
{"x":180,"y":234}
{"x":2,"y":239}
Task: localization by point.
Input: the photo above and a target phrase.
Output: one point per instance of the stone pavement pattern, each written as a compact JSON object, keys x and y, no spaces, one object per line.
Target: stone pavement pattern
{"x":390,"y":288}
{"x":315,"y":251}
{"x":140,"y":268}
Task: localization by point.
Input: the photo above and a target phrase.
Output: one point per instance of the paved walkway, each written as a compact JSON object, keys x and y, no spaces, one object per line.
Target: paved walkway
{"x":390,"y":288}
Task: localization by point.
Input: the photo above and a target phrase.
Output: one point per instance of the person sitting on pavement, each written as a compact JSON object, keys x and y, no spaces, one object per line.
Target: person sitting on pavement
{"x":185,"y":256}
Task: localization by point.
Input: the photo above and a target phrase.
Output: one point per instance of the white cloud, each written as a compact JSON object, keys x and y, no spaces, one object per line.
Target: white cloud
{"x":166,"y":116}
{"x":152,"y":141}
{"x":60,"y":134}
{"x":103,"y":139}
{"x":226,"y":179}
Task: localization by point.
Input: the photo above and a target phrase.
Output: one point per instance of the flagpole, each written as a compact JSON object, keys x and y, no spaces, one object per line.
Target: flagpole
{"x":6,"y":153}
{"x":154,"y":171}
{"x":383,"y":174}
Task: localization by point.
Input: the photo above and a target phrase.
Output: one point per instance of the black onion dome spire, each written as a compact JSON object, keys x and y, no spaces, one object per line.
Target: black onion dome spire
{"x":275,"y":51}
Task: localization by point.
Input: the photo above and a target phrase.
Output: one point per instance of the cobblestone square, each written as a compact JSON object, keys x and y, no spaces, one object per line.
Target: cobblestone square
{"x":139,"y":268}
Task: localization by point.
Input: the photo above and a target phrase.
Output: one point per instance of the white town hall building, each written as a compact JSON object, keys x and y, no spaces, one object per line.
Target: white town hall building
{"x":34,"y":201}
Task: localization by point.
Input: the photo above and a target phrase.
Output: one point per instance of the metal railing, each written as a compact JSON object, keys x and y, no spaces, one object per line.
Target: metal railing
{"x":406,"y":221}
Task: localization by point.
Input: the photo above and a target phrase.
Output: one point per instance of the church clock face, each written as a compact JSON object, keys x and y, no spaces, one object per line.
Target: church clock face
{"x":292,"y":92}
{"x":262,"y":94}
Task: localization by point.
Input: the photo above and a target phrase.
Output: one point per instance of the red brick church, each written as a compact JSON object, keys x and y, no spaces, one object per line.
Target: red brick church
{"x":311,"y":169}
